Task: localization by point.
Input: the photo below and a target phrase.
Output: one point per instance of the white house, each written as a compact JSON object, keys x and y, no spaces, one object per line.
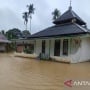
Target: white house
{"x":67,"y":41}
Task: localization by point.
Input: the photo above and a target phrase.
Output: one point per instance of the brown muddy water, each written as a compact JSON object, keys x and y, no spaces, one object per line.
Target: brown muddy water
{"x":28,"y":74}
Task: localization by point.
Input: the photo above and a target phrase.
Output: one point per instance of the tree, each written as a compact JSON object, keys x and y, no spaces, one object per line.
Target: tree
{"x":26,"y":33}
{"x":13,"y":34}
{"x":25,"y":17}
{"x":31,"y":10}
{"x":56,"y":13}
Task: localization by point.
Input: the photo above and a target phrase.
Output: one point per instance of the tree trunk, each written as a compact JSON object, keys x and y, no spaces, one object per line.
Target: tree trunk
{"x":30,"y":23}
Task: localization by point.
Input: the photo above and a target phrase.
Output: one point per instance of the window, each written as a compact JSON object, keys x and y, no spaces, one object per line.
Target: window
{"x":43,"y":46}
{"x":57,"y":48}
{"x":65,"y":47}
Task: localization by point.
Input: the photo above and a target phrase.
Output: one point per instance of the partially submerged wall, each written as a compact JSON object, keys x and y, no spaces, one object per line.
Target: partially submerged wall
{"x":78,"y":50}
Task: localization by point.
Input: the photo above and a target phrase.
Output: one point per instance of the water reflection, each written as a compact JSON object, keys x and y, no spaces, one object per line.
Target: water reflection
{"x":27,"y":74}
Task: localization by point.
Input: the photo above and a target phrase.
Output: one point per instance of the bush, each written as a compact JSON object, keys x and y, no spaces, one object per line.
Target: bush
{"x":28,"y":51}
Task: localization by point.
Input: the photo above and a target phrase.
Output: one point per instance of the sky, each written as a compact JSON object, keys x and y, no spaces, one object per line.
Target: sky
{"x":11,"y":12}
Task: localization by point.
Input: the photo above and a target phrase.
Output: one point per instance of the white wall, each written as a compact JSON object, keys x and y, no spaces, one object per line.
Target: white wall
{"x":49,"y":48}
{"x":38,"y":46}
{"x":85,"y":50}
{"x":77,"y":52}
{"x":38,"y":49}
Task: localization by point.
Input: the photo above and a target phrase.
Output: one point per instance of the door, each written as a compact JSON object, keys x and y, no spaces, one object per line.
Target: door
{"x":57,"y":48}
{"x":43,"y":46}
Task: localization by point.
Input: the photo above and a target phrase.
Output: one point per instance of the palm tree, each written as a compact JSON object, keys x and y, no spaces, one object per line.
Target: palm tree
{"x":25,"y":17}
{"x":31,"y":10}
{"x":56,"y":13}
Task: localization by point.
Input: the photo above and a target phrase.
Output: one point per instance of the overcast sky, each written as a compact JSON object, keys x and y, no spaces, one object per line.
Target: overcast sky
{"x":11,"y":12}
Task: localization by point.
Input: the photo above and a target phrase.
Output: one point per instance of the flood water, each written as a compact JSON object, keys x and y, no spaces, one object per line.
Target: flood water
{"x":28,"y":74}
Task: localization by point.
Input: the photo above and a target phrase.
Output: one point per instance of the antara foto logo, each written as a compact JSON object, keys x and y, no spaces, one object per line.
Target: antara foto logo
{"x":71,"y":83}
{"x":68,"y":83}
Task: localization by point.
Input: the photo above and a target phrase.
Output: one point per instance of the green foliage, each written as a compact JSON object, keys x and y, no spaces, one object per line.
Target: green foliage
{"x":56,"y":14}
{"x":25,"y":17}
{"x":26,"y":33}
{"x":12,"y":47}
{"x":31,"y":10}
{"x":28,"y":51}
{"x":13,"y":33}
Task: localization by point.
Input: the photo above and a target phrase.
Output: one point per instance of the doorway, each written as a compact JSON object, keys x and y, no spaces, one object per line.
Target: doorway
{"x":43,"y":46}
{"x":57,"y":48}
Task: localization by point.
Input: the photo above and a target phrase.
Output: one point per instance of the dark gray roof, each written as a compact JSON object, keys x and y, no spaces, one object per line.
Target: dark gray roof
{"x":64,"y":26}
{"x":61,"y":30}
{"x":68,"y":16}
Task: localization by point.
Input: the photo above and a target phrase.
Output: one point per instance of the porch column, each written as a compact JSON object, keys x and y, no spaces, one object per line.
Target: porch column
{"x":35,"y":46}
{"x":49,"y":47}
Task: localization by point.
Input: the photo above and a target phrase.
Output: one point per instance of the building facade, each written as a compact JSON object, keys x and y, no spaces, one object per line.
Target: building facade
{"x":67,"y":41}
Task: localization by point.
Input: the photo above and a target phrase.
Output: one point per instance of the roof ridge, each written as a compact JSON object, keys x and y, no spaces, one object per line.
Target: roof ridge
{"x":73,"y":13}
{"x":81,"y":27}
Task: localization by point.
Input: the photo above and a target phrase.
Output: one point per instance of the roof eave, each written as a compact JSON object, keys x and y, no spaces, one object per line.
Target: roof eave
{"x":64,"y":35}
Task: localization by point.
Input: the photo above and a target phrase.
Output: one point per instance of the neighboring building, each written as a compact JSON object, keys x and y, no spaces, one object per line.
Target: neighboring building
{"x":23,"y":45}
{"x":4,"y":43}
{"x":68,"y":40}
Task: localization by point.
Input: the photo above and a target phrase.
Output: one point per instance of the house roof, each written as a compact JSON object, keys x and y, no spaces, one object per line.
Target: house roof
{"x":3,"y":39}
{"x":61,"y":30}
{"x":68,"y":16}
{"x":68,"y":24}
